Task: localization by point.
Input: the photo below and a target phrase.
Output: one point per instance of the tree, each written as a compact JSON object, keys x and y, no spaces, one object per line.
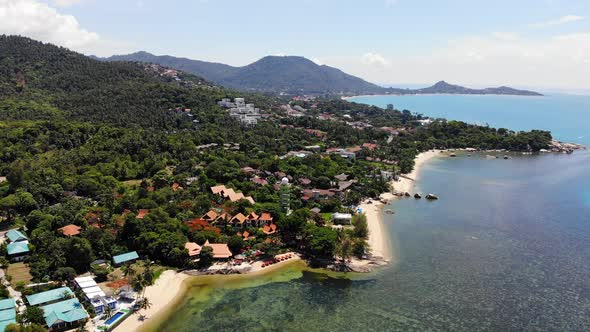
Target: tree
{"x":320,"y":241}
{"x":206,"y":257}
{"x":21,"y":328}
{"x":64,"y":274}
{"x":361,"y":228}
{"x":343,"y":248}
{"x":33,"y":315}
{"x":360,"y":248}
{"x":235,"y":244}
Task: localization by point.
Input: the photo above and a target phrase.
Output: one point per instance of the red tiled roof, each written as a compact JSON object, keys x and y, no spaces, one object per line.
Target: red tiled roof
{"x":142,"y":213}
{"x":193,"y":248}
{"x":269,"y":229}
{"x":370,"y":146}
{"x":240,"y":218}
{"x":211,"y":215}
{"x":217,"y":189}
{"x":220,"y":250}
{"x":70,"y":230}
{"x":265,"y":216}
{"x":253,"y":216}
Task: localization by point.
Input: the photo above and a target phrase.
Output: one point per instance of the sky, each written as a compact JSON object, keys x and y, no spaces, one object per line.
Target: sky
{"x":521,"y":43}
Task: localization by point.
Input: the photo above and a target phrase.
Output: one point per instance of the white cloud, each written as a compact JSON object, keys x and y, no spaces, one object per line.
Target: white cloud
{"x":559,"y":21}
{"x":374,"y":59}
{"x":66,"y":3}
{"x":561,"y":61}
{"x":37,"y":20}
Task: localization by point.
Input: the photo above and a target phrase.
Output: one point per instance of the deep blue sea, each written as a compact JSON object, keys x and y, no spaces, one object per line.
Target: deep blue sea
{"x":567,"y":116}
{"x":505,"y":248}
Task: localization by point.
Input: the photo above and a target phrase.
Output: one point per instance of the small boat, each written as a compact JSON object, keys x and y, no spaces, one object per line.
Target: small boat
{"x":417,"y":195}
{"x":507,"y":157}
{"x":389,"y":211}
{"x":431,"y":197}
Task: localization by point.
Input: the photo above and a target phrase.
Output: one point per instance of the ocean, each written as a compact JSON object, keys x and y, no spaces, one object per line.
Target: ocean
{"x":505,"y":248}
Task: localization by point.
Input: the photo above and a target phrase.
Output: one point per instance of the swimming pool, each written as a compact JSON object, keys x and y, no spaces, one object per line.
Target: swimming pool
{"x":114,"y":318}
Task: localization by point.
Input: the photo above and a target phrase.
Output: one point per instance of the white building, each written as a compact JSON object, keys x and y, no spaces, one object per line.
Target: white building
{"x":246,"y":113}
{"x":341,"y":218}
{"x":94,"y":294}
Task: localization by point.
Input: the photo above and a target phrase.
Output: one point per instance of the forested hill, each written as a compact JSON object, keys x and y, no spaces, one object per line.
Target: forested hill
{"x":278,"y":74}
{"x":42,"y":81}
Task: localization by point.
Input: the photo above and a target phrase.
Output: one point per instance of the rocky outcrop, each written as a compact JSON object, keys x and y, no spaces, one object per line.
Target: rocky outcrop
{"x":417,"y":196}
{"x":557,"y":146}
{"x":431,"y":197}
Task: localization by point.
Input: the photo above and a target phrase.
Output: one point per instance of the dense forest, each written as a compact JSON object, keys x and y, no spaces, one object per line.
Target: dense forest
{"x":91,"y":143}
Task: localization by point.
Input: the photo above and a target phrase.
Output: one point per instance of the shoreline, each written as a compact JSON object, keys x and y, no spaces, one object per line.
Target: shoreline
{"x":170,"y":289}
{"x":437,"y":94}
{"x":381,"y":247}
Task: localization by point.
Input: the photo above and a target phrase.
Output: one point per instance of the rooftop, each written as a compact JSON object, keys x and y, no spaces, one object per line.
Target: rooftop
{"x":193,"y":248}
{"x":14,"y":235}
{"x":126,"y":257}
{"x":49,"y":296}
{"x":220,"y":250}
{"x":70,"y":230}
{"x":7,"y":304}
{"x":65,"y":311}
{"x":15,"y":248}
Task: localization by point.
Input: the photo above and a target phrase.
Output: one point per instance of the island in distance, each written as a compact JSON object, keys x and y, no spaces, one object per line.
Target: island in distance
{"x":296,"y":75}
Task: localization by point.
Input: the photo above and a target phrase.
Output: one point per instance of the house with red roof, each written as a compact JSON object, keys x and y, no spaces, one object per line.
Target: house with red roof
{"x":70,"y":230}
{"x":220,"y":250}
{"x":142,"y":213}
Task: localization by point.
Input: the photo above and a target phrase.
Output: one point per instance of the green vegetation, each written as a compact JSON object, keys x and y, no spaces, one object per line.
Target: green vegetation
{"x":91,"y":144}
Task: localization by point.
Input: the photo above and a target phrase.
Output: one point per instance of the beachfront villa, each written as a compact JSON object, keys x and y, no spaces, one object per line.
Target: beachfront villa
{"x":61,"y":309}
{"x":220,"y":250}
{"x":341,"y":218}
{"x":18,"y":246}
{"x":94,"y":294}
{"x":7,"y":313}
{"x":128,"y":257}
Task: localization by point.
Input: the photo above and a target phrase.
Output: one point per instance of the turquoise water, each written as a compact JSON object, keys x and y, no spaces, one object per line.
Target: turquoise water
{"x":505,"y":248}
{"x":567,"y":116}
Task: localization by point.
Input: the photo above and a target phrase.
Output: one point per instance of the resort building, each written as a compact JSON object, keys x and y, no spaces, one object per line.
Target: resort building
{"x":18,"y":248}
{"x":7,"y":313}
{"x":220,"y":250}
{"x":341,"y":218}
{"x":193,"y":249}
{"x":125,"y":258}
{"x":246,"y":113}
{"x":94,"y":294}
{"x":50,"y":296}
{"x":230,"y":194}
{"x":64,"y":315}
{"x":70,"y":230}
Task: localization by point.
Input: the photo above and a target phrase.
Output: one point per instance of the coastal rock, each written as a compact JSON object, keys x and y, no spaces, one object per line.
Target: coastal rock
{"x":557,"y":146}
{"x":407,"y":194}
{"x":417,"y":196}
{"x":431,"y":197}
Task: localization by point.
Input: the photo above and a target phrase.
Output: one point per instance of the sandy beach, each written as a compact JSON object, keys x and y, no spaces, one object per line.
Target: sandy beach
{"x":171,"y":286}
{"x":378,"y":238}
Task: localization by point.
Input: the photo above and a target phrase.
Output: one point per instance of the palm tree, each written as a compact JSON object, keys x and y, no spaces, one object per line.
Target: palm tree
{"x":344,"y":249}
{"x":108,"y":311}
{"x":128,"y":271}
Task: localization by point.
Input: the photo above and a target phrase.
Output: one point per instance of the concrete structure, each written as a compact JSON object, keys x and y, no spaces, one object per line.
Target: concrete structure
{"x":341,"y":218}
{"x":18,"y":248}
{"x":126,"y":257}
{"x":7,"y":313}
{"x":94,"y":294}
{"x":246,"y":113}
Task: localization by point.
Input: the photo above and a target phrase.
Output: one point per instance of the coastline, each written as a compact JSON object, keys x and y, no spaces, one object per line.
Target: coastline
{"x":170,"y":288}
{"x":379,"y":242}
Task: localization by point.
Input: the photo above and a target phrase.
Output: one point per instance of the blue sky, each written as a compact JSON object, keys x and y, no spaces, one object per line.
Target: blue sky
{"x":543,"y":43}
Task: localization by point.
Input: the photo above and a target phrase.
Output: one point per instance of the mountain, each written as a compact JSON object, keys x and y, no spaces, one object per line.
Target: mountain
{"x":278,"y":74}
{"x":295,"y":75}
{"x":444,"y":87}
{"x":43,"y":81}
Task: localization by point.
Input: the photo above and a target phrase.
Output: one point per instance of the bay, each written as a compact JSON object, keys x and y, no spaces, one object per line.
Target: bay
{"x":505,"y":248}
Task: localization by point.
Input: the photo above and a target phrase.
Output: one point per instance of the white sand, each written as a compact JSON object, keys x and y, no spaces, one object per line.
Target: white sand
{"x":378,"y":238}
{"x":166,"y":289}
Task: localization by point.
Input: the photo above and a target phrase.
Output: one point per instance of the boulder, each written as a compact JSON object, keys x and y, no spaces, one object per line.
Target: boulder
{"x":431,"y":197}
{"x":417,"y":195}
